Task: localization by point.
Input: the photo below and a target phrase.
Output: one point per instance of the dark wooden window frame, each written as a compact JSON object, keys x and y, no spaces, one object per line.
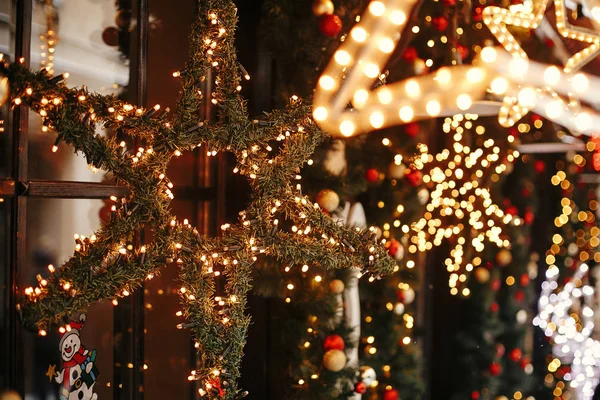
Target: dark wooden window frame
{"x":206,"y":192}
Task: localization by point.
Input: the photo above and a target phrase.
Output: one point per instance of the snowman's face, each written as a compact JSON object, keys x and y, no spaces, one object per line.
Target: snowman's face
{"x":70,"y":346}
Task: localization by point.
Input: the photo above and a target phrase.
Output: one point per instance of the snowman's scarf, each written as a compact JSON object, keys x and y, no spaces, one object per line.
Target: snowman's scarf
{"x":78,"y":359}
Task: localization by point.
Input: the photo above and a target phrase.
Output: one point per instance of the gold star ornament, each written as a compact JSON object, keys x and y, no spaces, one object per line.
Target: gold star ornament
{"x":51,"y":372}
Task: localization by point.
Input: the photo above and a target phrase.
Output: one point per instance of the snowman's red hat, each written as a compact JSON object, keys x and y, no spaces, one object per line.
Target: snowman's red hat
{"x":72,"y":329}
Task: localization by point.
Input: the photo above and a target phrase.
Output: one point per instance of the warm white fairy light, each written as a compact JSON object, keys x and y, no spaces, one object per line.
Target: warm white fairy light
{"x":358,"y":62}
{"x":567,"y":317}
{"x":372,"y":40}
{"x":460,"y":209}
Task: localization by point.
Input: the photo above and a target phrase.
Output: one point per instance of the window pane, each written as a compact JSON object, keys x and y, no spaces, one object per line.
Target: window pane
{"x":51,"y":224}
{"x":6,"y":46}
{"x":75,"y":37}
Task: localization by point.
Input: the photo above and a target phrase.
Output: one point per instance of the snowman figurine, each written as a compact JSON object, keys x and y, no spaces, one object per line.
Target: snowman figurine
{"x":79,"y":374}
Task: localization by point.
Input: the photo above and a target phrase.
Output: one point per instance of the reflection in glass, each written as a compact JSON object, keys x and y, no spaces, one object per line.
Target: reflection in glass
{"x":51,"y":224}
{"x":67,"y":36}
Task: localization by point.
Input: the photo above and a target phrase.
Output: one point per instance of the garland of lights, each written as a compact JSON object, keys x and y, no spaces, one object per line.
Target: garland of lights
{"x":109,"y":264}
{"x":357,"y":64}
{"x":568,"y":318}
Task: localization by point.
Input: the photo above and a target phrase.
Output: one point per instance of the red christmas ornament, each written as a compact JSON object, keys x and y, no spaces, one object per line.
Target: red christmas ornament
{"x":414,"y":177}
{"x":524,"y":280}
{"x":524,"y":362}
{"x":549,"y":43}
{"x":391,"y":394}
{"x":496,"y":285}
{"x":105,"y":211}
{"x":494,"y":307}
{"x":110,"y":36}
{"x":540,"y":166}
{"x":440,"y":23}
{"x":519,"y":296}
{"x":410,"y":54}
{"x":333,"y":342}
{"x":515,"y":354}
{"x":393,"y":246}
{"x":412,"y":129}
{"x":360,"y":387}
{"x":495,"y":369}
{"x":512,"y":210}
{"x":372,"y":175}
{"x":529,"y":217}
{"x":330,"y":25}
{"x":463,"y":51}
{"x":536,"y":117}
{"x":526,"y":192}
{"x":449,"y":3}
{"x":475,"y":395}
{"x":477,"y":14}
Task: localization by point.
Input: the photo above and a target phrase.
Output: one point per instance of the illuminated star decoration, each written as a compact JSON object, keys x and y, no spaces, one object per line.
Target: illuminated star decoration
{"x":51,"y":372}
{"x":516,"y":105}
{"x":567,"y":317}
{"x":215,"y":272}
{"x":357,"y":63}
{"x":460,"y":209}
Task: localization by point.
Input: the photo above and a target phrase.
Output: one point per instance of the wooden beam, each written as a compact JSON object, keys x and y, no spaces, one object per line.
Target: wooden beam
{"x":70,"y":190}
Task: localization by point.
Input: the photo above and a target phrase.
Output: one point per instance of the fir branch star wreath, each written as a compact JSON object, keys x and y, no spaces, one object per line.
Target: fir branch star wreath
{"x":270,"y":153}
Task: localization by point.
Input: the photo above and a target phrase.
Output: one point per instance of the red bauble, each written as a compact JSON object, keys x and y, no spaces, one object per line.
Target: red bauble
{"x":549,"y":43}
{"x":478,"y":14}
{"x":360,"y":387}
{"x":524,"y":280}
{"x":529,"y":217}
{"x":110,"y":36}
{"x":391,"y":394}
{"x":540,"y":166}
{"x":410,"y":54}
{"x":393,"y":246}
{"x":475,"y":395}
{"x":440,"y":23}
{"x":519,"y":296}
{"x":414,"y":177}
{"x":496,"y":283}
{"x":463,"y":51}
{"x":333,"y":342}
{"x":372,"y":175}
{"x":494,"y":307}
{"x":536,"y":117}
{"x":330,"y":25}
{"x":412,"y":129}
{"x":515,"y":354}
{"x":512,"y":210}
{"x":449,"y":3}
{"x":495,"y":369}
{"x":524,"y":362}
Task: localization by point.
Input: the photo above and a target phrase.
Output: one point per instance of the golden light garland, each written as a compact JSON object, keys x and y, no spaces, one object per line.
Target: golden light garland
{"x":497,"y":19}
{"x":358,"y":63}
{"x":461,"y":209}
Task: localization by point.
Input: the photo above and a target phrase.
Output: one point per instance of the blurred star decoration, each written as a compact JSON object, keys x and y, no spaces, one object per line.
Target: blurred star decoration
{"x":461,"y":210}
